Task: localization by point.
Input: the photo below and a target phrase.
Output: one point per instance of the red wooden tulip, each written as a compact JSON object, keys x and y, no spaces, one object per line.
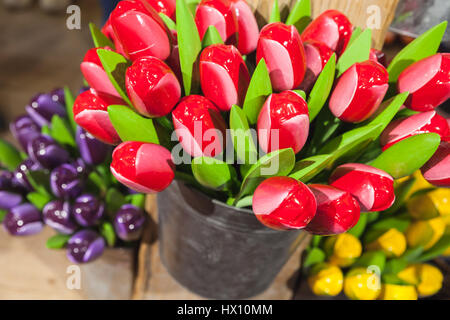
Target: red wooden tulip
{"x":284,"y":203}
{"x":286,"y":112}
{"x":108,"y":31}
{"x":331,"y":28}
{"x":164,"y":6}
{"x":152,"y":87}
{"x":371,"y":187}
{"x":437,"y":170}
{"x":282,"y":49}
{"x":173,"y":61}
{"x":140,"y":30}
{"x":247,"y":26}
{"x":416,"y":124}
{"x":359,"y":91}
{"x":427,"y":81}
{"x":95,"y":74}
{"x":378,"y":56}
{"x":220,"y":14}
{"x":223,"y":76}
{"x":91,"y":113}
{"x":199,"y":126}
{"x":337,"y":211}
{"x":317,"y":55}
{"x":143,"y":167}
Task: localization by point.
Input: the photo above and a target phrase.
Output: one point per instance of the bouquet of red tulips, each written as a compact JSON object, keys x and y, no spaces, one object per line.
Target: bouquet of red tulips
{"x":249,"y":115}
{"x":61,"y":179}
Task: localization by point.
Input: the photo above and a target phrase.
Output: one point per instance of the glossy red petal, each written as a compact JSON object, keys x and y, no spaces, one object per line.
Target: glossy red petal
{"x":247,"y":26}
{"x":164,"y":6}
{"x":437,"y":170}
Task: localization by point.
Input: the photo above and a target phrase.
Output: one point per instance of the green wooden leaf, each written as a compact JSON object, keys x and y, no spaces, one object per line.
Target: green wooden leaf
{"x":408,"y":155}
{"x":360,"y":227}
{"x":107,"y":232}
{"x":58,"y":241}
{"x":137,"y":200}
{"x":424,"y":46}
{"x":394,"y":266}
{"x":355,"y":34}
{"x":277,"y":163}
{"x":313,"y":256}
{"x":308,"y":168}
{"x":259,"y":88}
{"x":243,"y":140}
{"x":131,"y":126}
{"x":412,"y":254}
{"x":170,"y":24}
{"x":115,"y":66}
{"x":326,"y":126}
{"x":438,"y":249}
{"x":213,"y":173}
{"x":100,"y":40}
{"x":301,"y":93}
{"x":300,"y":15}
{"x":358,"y":51}
{"x":114,"y":200}
{"x":9,"y":156}
{"x":244,"y":202}
{"x":192,"y":5}
{"x":189,"y":44}
{"x":68,"y":96}
{"x":61,"y":133}
{"x":322,"y":88}
{"x":401,"y":191}
{"x":400,"y":223}
{"x":372,"y":258}
{"x":39,"y":200}
{"x":40,"y":181}
{"x":391,"y":278}
{"x":275,"y":13}
{"x":211,"y":37}
{"x":3,"y":214}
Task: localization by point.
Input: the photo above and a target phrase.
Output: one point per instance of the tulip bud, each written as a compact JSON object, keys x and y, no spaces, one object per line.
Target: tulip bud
{"x":129,"y":222}
{"x":425,"y":277}
{"x":392,"y":243}
{"x":337,"y":211}
{"x":416,"y":124}
{"x":164,"y":6}
{"x":325,"y":280}
{"x":317,"y":55}
{"x":283,"y":122}
{"x":331,"y":28}
{"x":42,"y":108}
{"x":223,"y":76}
{"x":427,"y":81}
{"x":152,"y":87}
{"x":437,"y":170}
{"x":92,"y":150}
{"x":359,"y":91}
{"x":425,"y":233}
{"x":57,"y":216}
{"x":58,"y":95}
{"x":140,"y":30}
{"x":23,"y":220}
{"x":371,"y":187}
{"x":108,"y":31}
{"x":199,"y":126}
{"x":65,"y":181}
{"x":220,"y":14}
{"x":398,"y":292}
{"x":95,"y":74}
{"x":282,"y":49}
{"x":247,"y":26}
{"x":144,"y":167}
{"x":378,"y":56}
{"x":45,"y":151}
{"x":356,"y":285}
{"x":85,"y":246}
{"x":91,"y":113}
{"x":283,"y":203}
{"x":87,"y":210}
{"x":343,"y":249}
{"x":20,"y":179}
{"x":24,"y":129}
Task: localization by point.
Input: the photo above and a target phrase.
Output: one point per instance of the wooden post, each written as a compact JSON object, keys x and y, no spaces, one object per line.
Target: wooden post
{"x":376,"y":14}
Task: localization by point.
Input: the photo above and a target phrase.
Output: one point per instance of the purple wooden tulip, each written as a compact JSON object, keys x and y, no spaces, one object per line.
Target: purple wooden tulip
{"x":65,"y":181}
{"x":24,"y":129}
{"x":57,"y":216}
{"x":81,"y":167}
{"x":45,"y":151}
{"x":20,"y":179}
{"x":42,"y":108}
{"x":92,"y":150}
{"x":85,"y":246}
{"x":59,"y":96}
{"x":23,"y":220}
{"x":87,"y":210}
{"x":129,"y":222}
